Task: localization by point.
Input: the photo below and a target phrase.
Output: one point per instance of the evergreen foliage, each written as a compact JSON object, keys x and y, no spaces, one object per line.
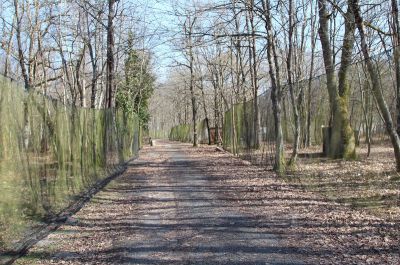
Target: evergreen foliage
{"x":133,"y":96}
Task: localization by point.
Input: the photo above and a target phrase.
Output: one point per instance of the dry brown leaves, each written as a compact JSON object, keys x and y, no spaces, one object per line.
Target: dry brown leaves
{"x":305,"y":215}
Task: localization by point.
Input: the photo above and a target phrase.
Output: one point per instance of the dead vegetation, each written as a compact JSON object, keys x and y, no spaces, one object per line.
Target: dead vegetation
{"x":308,"y":224}
{"x":347,"y":210}
{"x":368,"y":183}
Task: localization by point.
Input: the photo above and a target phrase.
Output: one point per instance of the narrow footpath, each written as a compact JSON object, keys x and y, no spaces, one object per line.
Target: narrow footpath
{"x":179,"y":205}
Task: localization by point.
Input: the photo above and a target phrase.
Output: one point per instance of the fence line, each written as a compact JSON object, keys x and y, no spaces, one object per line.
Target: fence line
{"x":50,"y":153}
{"x":238,"y":129}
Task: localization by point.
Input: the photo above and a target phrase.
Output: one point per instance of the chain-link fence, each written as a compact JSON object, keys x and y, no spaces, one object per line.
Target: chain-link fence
{"x":51,"y":153}
{"x":311,"y":96}
{"x":184,"y":133}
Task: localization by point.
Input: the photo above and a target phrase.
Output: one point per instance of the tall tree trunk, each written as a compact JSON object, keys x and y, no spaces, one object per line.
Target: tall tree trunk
{"x":376,"y":88}
{"x":27,"y":81}
{"x":291,"y":87}
{"x":216,"y":112}
{"x":189,"y":29}
{"x":93,"y":62}
{"x":396,"y":55}
{"x":78,"y":74}
{"x":309,"y":93}
{"x":110,"y":55}
{"x":241,"y":77}
{"x":21,"y":57}
{"x":203,"y":96}
{"x":342,"y":141}
{"x":366,"y":109}
{"x":276,"y":93}
{"x":254,"y":75}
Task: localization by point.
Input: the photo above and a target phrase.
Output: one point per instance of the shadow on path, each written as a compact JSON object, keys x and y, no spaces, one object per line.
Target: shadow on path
{"x":166,"y":209}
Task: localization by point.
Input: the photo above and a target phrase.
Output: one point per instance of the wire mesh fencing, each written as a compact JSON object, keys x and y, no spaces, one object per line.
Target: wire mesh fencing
{"x":50,"y":154}
{"x":184,"y":133}
{"x":240,"y":135}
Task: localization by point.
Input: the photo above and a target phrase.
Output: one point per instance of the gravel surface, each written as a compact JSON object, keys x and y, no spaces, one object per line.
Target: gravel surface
{"x":181,"y":205}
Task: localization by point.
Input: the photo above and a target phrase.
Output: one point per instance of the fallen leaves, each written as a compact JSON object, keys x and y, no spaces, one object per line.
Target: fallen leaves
{"x":307,"y":202}
{"x":301,"y":211}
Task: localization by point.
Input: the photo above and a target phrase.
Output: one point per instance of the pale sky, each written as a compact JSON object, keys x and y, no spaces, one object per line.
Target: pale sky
{"x":161,"y":26}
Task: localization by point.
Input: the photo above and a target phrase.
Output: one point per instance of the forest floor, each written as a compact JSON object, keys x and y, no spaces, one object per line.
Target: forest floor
{"x":368,"y":183}
{"x":181,"y":205}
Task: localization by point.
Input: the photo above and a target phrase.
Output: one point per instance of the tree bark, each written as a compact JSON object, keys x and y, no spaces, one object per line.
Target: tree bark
{"x":396,"y":56}
{"x":21,"y":57}
{"x":310,"y":80}
{"x":342,"y":142}
{"x":276,"y":93}
{"x":254,"y":75}
{"x":110,"y":55}
{"x":188,"y":33}
{"x":291,"y":87}
{"x":376,"y":88}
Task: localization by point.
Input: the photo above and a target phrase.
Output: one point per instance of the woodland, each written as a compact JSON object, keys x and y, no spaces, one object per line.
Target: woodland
{"x":307,"y":90}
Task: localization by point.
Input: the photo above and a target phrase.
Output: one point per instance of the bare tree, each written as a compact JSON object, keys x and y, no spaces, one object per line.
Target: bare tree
{"x":188,"y":28}
{"x":396,"y":51}
{"x":376,"y":87}
{"x":276,"y":89}
{"x":342,"y":141}
{"x":110,"y":85}
{"x":290,"y":74}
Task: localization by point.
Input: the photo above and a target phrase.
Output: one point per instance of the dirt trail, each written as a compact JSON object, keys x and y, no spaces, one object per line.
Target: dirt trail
{"x":173,"y":206}
{"x":163,"y":210}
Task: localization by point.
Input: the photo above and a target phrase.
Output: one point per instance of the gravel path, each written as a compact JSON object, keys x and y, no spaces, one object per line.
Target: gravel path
{"x":176,"y":206}
{"x":163,"y":210}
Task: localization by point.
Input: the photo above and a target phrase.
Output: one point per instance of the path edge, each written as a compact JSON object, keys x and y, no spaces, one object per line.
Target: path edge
{"x":24,"y":245}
